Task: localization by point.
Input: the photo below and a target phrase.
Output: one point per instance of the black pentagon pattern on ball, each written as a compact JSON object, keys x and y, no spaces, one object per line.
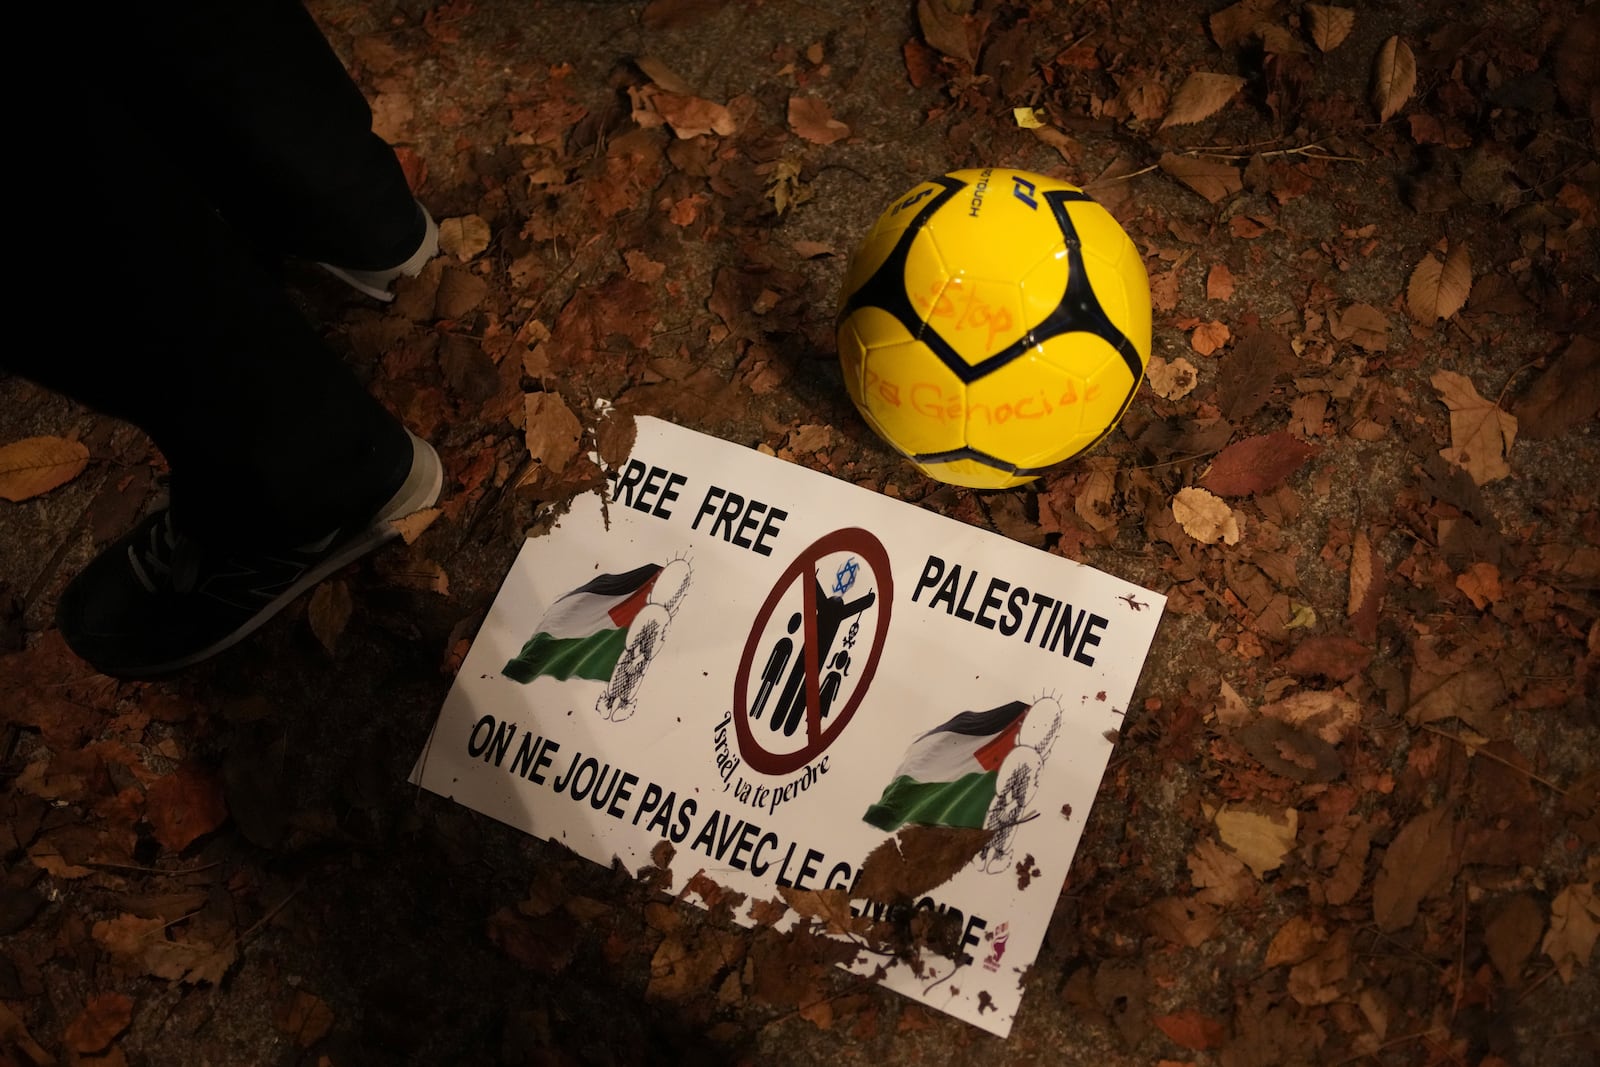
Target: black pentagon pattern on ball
{"x":886,"y":289}
{"x":1079,"y":310}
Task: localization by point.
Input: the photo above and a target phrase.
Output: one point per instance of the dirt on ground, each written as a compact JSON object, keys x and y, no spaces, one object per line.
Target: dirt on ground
{"x":1353,"y":813}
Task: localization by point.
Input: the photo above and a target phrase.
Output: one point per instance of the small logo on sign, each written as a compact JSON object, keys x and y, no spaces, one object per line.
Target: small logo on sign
{"x":1002,"y":934}
{"x":845,"y":576}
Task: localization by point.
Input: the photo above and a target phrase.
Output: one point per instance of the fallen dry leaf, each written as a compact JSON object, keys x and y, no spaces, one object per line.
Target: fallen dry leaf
{"x":198,"y":961}
{"x":392,"y":114}
{"x":104,"y":1017}
{"x":1565,"y":396}
{"x":551,"y":430}
{"x":463,"y":237}
{"x":46,"y":854}
{"x":1319,"y":979}
{"x":329,"y":611}
{"x":1249,"y":371}
{"x":1094,"y":500}
{"x":831,"y":907}
{"x":812,"y":437}
{"x":544,"y":944}
{"x":1219,"y":282}
{"x":812,"y":249}
{"x":1238,"y":22}
{"x":1439,"y":290}
{"x":1577,"y":75}
{"x":376,"y":53}
{"x":1363,"y":324}
{"x":767,"y":912}
{"x":1183,"y":922}
{"x":1474,"y":696}
{"x":305,"y":1017}
{"x":1294,"y":942}
{"x":1261,"y":839}
{"x":1208,"y":337}
{"x":1366,"y":583}
{"x":1420,"y":862}
{"x":1290,"y":751}
{"x":1201,"y":95}
{"x":1219,"y":875}
{"x":1192,"y":1030}
{"x":818,"y":1013}
{"x":657,"y":71}
{"x":1481,"y":583}
{"x":460,"y":292}
{"x":1211,"y":178}
{"x":614,"y":437}
{"x":812,"y":119}
{"x":1330,"y":656}
{"x":917,"y":860}
{"x":36,"y":465}
{"x":184,"y":806}
{"x":1327,"y":714}
{"x":944,"y":30}
{"x":1231,"y":709}
{"x":1257,"y":464}
{"x":1512,"y":934}
{"x":1481,"y":433}
{"x":1574,"y":926}
{"x":1205,"y":517}
{"x":694,"y":116}
{"x":1066,"y":147}
{"x":1172,"y":381}
{"x":1330,"y":25}
{"x":1395,"y":78}
{"x":127,"y":935}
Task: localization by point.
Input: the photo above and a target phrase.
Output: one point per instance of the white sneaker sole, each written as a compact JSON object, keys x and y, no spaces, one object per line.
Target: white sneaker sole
{"x":378,"y":284}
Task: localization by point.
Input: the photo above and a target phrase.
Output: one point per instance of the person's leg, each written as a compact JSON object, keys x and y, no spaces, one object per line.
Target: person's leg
{"x":283,"y":466}
{"x":196,"y":343}
{"x":248,"y":97}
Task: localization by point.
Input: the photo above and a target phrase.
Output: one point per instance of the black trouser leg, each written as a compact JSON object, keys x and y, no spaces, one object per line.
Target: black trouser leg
{"x":159,"y":313}
{"x":248,"y":97}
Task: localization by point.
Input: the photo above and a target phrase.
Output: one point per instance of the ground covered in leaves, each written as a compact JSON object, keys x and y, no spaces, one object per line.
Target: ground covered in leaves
{"x":1353,"y":815}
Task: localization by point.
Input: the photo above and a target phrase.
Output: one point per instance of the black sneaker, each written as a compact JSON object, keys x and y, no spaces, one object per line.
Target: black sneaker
{"x":157,"y":601}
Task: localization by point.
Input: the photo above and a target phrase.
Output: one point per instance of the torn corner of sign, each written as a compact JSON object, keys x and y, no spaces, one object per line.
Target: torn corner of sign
{"x":711,"y":674}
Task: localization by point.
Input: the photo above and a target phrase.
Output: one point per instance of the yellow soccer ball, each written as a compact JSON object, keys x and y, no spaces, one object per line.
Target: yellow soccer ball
{"x":994,"y":323}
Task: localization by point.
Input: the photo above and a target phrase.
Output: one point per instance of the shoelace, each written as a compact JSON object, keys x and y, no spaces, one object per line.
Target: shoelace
{"x":169,"y":563}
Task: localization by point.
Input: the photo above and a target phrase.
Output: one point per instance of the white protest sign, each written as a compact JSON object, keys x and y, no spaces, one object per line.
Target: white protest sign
{"x":775,"y":671}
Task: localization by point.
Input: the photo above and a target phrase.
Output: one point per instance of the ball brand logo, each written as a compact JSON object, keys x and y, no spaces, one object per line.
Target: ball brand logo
{"x":960,"y":306}
{"x":981,"y":187}
{"x":934,"y":401}
{"x":1023,"y":190}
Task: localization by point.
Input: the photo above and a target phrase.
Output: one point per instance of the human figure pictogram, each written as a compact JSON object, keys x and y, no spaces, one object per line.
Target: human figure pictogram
{"x":777,"y":660}
{"x":832,"y":612}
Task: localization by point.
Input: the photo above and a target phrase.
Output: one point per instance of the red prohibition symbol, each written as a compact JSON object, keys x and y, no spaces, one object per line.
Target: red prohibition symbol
{"x":803,"y":570}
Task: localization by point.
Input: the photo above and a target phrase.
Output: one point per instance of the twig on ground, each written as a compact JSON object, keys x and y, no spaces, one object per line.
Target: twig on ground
{"x":1479,"y":750}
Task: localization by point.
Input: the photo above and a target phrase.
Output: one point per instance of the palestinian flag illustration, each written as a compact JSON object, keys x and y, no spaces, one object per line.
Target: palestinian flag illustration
{"x":584,"y":633}
{"x":947,"y":777}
